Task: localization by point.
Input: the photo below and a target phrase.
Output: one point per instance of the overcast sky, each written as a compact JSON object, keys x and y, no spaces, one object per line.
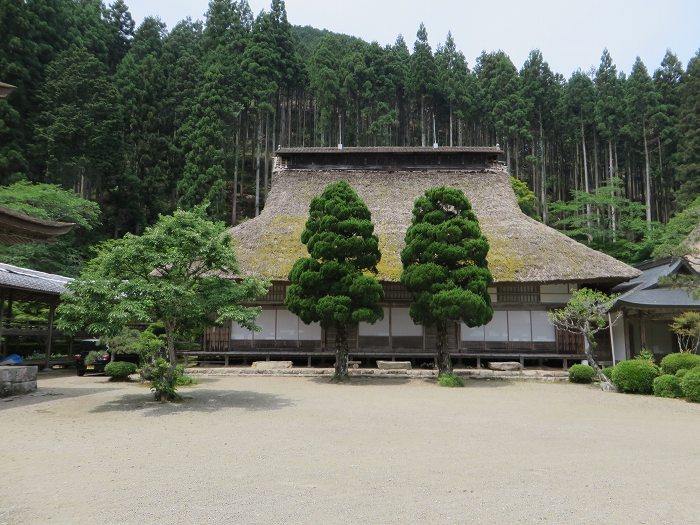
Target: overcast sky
{"x":571,"y":35}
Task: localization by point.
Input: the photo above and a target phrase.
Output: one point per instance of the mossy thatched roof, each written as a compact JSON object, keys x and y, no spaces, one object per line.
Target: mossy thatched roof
{"x":522,"y":249}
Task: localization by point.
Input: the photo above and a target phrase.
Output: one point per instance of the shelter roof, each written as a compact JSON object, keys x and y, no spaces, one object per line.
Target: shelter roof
{"x":30,"y":285}
{"x":19,"y":228}
{"x":522,"y":249}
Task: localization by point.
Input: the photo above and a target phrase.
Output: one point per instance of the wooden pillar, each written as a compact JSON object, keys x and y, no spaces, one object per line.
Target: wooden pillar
{"x":2,"y":321}
{"x":49,"y":337}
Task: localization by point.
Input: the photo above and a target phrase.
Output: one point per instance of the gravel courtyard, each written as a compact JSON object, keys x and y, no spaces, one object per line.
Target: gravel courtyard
{"x":267,"y":450}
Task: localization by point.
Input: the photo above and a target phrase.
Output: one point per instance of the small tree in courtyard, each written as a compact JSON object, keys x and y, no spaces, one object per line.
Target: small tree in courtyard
{"x":445,"y":266}
{"x":331,"y":286}
{"x":172,"y":275}
{"x":586,"y":314}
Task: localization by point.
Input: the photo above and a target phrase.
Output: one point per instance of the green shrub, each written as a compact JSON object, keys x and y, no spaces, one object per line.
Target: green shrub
{"x":667,"y":385}
{"x":690,"y":384}
{"x":163,"y":379}
{"x":450,"y":380}
{"x":120,"y":370}
{"x":635,"y":376}
{"x":581,"y":374}
{"x":645,"y":353}
{"x":92,"y":356}
{"x":183,"y":379}
{"x":680,"y":374}
{"x":607,"y":372}
{"x":671,"y":363}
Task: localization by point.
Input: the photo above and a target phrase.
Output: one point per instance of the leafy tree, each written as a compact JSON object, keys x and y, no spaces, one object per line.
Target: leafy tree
{"x":672,"y":238}
{"x":173,"y":274}
{"x":686,"y":326}
{"x":586,"y":314}
{"x":332,"y":285}
{"x":525,"y":196}
{"x":66,"y":255}
{"x":619,"y":228}
{"x":445,"y":266}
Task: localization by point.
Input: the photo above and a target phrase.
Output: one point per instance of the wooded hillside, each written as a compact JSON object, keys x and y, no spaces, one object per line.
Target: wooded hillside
{"x":145,"y":119}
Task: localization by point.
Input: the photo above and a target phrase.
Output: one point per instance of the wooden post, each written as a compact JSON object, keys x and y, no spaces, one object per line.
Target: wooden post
{"x":49,"y":337}
{"x":2,"y":321}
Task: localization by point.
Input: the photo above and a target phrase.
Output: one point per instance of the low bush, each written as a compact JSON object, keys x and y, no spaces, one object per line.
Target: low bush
{"x":183,"y":379}
{"x":671,"y":363}
{"x":635,"y":376}
{"x":581,"y":374}
{"x":667,"y":385}
{"x":163,"y":379}
{"x":690,"y":384}
{"x":645,"y":353}
{"x":607,"y":372}
{"x":681,"y":373}
{"x":120,"y":370}
{"x":450,"y":380}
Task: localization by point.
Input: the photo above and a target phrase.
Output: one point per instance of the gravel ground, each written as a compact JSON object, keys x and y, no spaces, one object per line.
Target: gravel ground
{"x":301,"y":450}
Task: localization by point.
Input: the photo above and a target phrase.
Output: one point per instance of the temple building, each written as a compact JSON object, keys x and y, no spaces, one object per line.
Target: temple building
{"x":535,"y":268}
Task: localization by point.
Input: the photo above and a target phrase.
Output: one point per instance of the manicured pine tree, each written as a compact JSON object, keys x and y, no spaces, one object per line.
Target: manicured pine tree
{"x":445,"y":266}
{"x":333,"y":286}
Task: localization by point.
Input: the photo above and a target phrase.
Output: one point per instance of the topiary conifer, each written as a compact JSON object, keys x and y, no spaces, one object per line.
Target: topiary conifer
{"x":445,"y":266}
{"x":332,"y":285}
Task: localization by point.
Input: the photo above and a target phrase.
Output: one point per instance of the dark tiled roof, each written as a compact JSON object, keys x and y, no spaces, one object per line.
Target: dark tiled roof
{"x":644,"y":291}
{"x":32,"y":281}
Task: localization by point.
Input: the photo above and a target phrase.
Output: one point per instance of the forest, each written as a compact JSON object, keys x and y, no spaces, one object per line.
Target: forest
{"x":143,"y":120}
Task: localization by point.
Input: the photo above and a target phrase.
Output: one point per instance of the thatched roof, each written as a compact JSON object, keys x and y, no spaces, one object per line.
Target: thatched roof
{"x":522,"y":249}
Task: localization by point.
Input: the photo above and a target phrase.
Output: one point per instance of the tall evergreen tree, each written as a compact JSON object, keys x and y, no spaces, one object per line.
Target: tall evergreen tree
{"x":333,"y":285}
{"x":688,"y":156}
{"x":445,"y":266}
{"x":421,"y":79}
{"x":643,"y":104}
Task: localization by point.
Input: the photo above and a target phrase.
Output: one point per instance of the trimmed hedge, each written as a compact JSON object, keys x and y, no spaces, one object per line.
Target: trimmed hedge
{"x":120,"y":370}
{"x":680,"y":374}
{"x":635,"y":376}
{"x":671,"y":363}
{"x":607,"y":372}
{"x":581,"y":374}
{"x":667,"y":385}
{"x":690,"y":384}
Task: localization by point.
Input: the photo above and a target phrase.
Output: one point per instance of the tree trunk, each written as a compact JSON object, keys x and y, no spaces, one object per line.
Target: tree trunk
{"x":647,"y":174}
{"x":422,"y":121}
{"x":234,"y":205}
{"x":543,"y":178}
{"x":585,"y":177}
{"x":605,"y":383}
{"x":170,"y":343}
{"x":443,"y":352}
{"x":341,"y":354}
{"x":258,"y":138}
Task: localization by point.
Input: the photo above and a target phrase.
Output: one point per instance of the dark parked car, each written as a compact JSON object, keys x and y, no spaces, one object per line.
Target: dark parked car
{"x":101,"y":358}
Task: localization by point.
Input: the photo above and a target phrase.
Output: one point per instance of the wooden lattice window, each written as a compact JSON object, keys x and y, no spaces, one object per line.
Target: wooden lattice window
{"x":396,"y":292}
{"x":518,"y":293}
{"x":275,"y":294}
